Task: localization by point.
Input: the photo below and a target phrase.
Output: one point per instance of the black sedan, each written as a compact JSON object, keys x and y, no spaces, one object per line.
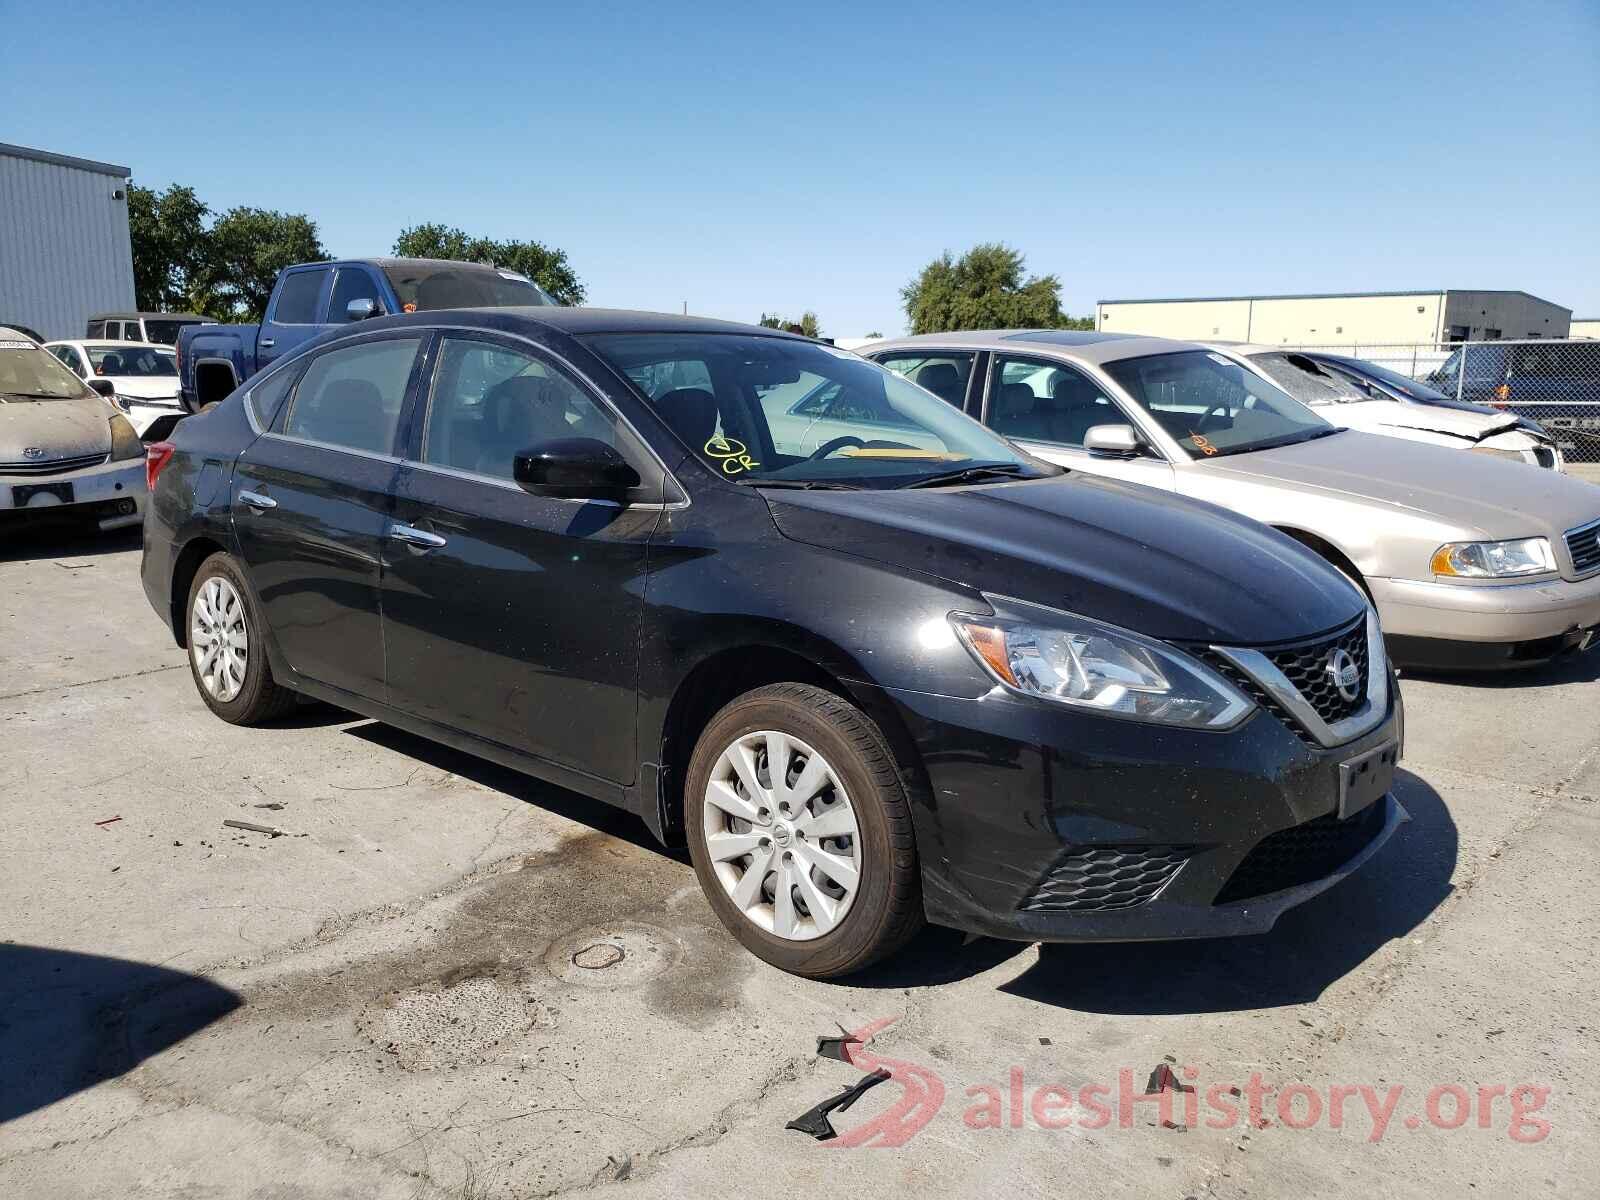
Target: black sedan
{"x":873,"y":663}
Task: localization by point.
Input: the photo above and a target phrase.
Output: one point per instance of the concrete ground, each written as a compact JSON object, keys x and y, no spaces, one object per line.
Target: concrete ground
{"x":385,"y":1001}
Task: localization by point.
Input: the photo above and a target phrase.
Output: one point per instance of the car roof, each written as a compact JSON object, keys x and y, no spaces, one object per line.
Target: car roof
{"x":94,"y":341}
{"x":577,"y":321}
{"x":132,"y":316}
{"x":1079,"y":345}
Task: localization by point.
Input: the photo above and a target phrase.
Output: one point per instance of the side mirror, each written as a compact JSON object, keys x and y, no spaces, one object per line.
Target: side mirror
{"x":575,"y":469}
{"x":1117,"y":441}
{"x":360,"y":310}
{"x":102,"y":387}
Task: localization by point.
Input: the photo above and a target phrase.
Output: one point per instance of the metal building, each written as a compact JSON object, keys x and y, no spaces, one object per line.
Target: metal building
{"x":1440,"y":317}
{"x":64,"y":245}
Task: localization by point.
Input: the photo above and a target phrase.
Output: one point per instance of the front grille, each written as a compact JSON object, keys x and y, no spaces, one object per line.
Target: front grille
{"x":1105,"y":878}
{"x":1302,"y":854}
{"x":53,"y":466}
{"x":1306,"y":667}
{"x":1584,"y":546}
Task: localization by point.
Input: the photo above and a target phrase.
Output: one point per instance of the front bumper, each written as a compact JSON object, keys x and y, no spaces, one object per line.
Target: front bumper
{"x":111,"y":494}
{"x":1043,"y":824}
{"x":1503,"y":615}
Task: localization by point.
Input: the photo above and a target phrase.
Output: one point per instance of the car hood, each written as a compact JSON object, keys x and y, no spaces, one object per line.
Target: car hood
{"x":57,"y":428}
{"x":144,"y":387}
{"x":1476,"y":492}
{"x":1377,"y":415}
{"x":1119,"y":552}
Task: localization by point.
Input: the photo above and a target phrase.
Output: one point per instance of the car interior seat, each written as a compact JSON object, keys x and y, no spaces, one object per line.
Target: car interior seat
{"x":691,"y":413}
{"x":517,"y":413}
{"x":943,"y":380}
{"x":1078,"y":408}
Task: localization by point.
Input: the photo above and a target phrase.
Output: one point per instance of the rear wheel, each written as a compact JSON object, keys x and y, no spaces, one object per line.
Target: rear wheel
{"x":226,"y":656}
{"x":800,"y":831}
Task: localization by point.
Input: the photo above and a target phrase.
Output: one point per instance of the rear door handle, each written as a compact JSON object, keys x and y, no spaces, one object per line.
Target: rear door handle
{"x":267,"y":343}
{"x":419,"y":538}
{"x":257,"y":501}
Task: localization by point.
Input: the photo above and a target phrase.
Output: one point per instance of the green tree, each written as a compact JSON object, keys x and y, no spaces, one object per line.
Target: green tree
{"x":984,"y":289}
{"x":169,"y":240}
{"x":543,"y":264}
{"x":244,"y":251}
{"x":807,"y":324}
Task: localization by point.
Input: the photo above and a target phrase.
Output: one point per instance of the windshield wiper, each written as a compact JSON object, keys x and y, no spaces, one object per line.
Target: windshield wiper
{"x":802,"y":484}
{"x":36,"y":395}
{"x":971,"y":475}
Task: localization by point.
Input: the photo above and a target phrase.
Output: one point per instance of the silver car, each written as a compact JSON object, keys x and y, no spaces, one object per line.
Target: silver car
{"x":65,"y":451}
{"x":1472,"y":561}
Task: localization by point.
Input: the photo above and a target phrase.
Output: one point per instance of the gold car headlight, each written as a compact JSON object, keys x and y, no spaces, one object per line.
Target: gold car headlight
{"x":125,"y":442}
{"x":1494,"y":560}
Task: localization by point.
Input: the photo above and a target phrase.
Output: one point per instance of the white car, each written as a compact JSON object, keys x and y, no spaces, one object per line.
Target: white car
{"x":143,"y":374}
{"x":1340,"y":402}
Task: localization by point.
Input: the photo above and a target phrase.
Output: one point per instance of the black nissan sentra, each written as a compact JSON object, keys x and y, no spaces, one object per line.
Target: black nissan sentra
{"x":873,"y":663}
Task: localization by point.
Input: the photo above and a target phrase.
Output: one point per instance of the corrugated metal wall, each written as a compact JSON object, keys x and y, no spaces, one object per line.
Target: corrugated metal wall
{"x":64,"y":247}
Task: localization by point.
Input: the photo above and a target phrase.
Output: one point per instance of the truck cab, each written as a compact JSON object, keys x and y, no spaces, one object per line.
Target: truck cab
{"x":310,"y":299}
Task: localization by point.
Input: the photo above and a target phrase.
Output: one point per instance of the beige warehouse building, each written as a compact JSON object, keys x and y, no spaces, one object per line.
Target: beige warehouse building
{"x":1342,"y":318}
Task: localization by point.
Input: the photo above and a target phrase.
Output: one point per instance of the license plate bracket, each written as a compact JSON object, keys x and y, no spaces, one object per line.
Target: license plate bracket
{"x":1366,"y":778}
{"x":22,"y":493}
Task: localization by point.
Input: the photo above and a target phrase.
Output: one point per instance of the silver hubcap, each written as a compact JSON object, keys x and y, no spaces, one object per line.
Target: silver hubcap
{"x":782,"y":836}
{"x":218,"y":639}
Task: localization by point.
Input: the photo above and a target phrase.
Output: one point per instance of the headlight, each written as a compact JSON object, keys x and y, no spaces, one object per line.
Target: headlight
{"x":1513,"y":455}
{"x":1100,"y":668}
{"x":125,"y":442}
{"x":1494,"y":560}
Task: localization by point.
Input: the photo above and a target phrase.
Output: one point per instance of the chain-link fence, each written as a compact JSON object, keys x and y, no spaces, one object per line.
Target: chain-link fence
{"x":1556,"y":383}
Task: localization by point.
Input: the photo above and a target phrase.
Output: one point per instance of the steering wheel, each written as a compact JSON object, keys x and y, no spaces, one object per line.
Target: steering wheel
{"x":1200,"y":425}
{"x":838,"y":443}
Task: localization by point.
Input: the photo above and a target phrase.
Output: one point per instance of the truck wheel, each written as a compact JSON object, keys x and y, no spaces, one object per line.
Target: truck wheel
{"x":800,"y":831}
{"x":226,"y":654}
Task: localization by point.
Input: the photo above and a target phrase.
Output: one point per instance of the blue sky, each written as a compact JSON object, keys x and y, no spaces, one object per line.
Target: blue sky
{"x":748,"y":157}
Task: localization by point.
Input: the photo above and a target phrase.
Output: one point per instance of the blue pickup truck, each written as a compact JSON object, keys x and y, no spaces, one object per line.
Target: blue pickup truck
{"x":312,"y":298}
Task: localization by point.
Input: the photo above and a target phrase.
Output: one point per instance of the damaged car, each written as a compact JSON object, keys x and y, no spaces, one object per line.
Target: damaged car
{"x":65,"y":451}
{"x":909,"y":673}
{"x":1341,"y":401}
{"x":1473,"y":560}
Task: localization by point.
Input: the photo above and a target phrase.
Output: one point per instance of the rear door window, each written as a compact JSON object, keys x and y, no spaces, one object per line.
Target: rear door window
{"x":352,"y":397}
{"x":297,"y":298}
{"x":944,"y":374}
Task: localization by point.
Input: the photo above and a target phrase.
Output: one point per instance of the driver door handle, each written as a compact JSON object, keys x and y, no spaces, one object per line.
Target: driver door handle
{"x":267,"y":343}
{"x":420,"y":538}
{"x":257,"y":501}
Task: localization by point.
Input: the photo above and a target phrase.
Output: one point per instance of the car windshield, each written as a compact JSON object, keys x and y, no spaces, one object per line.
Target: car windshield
{"x":785,"y":412}
{"x":1213,"y":405}
{"x":465,"y":285}
{"x":29,"y":373}
{"x":1403,"y":384}
{"x":139,"y":362}
{"x":1305,"y":380}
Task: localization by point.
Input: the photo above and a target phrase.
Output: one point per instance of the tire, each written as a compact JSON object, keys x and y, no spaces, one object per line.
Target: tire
{"x":247,"y":695}
{"x":818,"y":933}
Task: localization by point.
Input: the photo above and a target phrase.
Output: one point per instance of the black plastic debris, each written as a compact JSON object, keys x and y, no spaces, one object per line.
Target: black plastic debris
{"x":815,"y":1121}
{"x":834,"y":1047}
{"x":1162,"y":1079}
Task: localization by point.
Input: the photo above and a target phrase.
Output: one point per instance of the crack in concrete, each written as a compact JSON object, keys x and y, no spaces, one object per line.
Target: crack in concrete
{"x":63,"y":687}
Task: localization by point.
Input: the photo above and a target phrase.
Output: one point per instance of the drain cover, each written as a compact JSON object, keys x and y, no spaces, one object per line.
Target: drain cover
{"x":617,"y":955}
{"x":598,"y":956}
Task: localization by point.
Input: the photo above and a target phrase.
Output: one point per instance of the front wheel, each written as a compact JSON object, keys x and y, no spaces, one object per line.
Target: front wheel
{"x":801,"y":833}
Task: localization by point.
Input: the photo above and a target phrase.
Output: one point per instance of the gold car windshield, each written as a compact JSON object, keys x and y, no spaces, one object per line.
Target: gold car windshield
{"x":1213,"y":406}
